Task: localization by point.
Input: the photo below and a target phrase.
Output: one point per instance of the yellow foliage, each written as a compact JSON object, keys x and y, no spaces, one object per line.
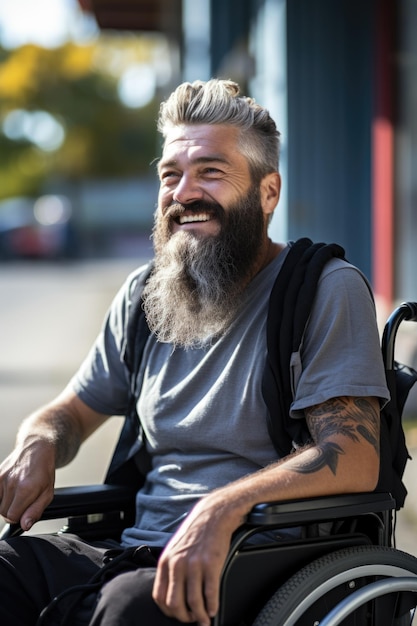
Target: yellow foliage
{"x":26,"y":69}
{"x":76,"y":61}
{"x":77,"y":85}
{"x":19,"y":73}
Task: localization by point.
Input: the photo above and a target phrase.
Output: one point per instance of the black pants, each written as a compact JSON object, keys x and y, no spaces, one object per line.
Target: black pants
{"x":36,"y":569}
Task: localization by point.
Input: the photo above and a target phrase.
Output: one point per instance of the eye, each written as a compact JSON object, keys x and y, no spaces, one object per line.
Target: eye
{"x":169,"y":175}
{"x":212,"y":171}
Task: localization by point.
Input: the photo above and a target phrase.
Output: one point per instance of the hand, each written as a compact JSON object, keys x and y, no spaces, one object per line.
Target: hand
{"x":27,"y":478}
{"x":188,"y":574}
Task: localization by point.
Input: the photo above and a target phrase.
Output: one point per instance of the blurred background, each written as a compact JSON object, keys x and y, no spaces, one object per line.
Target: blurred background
{"x":78,"y":109}
{"x":80,"y":86}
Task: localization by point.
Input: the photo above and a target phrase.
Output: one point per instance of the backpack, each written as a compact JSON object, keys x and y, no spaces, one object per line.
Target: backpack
{"x":290,"y":304}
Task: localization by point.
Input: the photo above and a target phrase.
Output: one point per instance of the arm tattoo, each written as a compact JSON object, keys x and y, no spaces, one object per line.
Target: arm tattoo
{"x":354,"y":418}
{"x":67,"y":438}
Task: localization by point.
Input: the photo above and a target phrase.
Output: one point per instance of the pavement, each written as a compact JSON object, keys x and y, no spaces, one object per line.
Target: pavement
{"x":49,"y":317}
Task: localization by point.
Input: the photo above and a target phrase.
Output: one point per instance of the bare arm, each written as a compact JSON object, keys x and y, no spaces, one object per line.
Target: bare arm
{"x":48,"y":439}
{"x":343,"y":458}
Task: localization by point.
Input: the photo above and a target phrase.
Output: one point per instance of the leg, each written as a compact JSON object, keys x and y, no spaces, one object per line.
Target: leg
{"x":127,"y":601}
{"x":33,"y":569}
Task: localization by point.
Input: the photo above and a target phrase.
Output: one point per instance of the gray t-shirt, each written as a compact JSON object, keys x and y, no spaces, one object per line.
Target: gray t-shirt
{"x":202,"y":410}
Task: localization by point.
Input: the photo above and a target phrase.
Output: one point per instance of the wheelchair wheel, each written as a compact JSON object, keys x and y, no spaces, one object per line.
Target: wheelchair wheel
{"x":313,"y":591}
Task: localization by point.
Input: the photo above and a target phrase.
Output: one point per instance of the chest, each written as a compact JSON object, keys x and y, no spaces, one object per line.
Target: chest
{"x":209,"y":398}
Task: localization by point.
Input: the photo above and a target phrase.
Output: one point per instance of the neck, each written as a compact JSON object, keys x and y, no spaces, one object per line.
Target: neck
{"x":269,"y":252}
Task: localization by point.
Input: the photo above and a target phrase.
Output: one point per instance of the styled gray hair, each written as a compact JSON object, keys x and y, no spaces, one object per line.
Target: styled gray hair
{"x":217,"y":101}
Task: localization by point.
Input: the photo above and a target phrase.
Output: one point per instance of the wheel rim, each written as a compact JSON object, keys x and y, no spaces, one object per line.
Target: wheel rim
{"x":386,"y":571}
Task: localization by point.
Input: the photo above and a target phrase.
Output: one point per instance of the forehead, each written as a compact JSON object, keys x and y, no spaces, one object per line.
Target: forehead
{"x":203,"y":141}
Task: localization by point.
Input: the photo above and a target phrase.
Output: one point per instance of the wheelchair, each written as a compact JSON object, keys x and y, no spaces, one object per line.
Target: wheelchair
{"x":341,"y":567}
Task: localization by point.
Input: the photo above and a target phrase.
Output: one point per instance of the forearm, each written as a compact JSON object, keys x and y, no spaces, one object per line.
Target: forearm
{"x":47,"y":439}
{"x":27,"y":475}
{"x":300,"y":476}
{"x":344,"y":458}
{"x":51,"y":427}
{"x":62,"y":425}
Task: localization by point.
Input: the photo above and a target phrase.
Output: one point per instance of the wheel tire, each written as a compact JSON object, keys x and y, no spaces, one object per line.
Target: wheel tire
{"x":292,"y":601}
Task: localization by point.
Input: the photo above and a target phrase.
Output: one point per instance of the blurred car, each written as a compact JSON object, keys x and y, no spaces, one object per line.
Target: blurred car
{"x":36,"y":228}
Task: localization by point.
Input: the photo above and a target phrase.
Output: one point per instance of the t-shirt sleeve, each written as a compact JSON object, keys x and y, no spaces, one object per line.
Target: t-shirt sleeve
{"x":102,"y":381}
{"x":340,"y":354}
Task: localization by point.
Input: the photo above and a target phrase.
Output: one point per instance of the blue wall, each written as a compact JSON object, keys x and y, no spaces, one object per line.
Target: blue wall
{"x":330,"y":90}
{"x":330,"y":106}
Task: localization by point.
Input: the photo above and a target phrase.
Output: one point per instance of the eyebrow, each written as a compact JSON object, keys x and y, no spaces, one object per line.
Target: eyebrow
{"x":214,"y":158}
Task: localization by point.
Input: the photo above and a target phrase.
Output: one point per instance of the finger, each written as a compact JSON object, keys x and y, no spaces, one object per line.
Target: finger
{"x":34,"y":511}
{"x":196,"y":601}
{"x":17,"y":496}
{"x":211,"y":596}
{"x":169,"y":592}
{"x":176,"y":600}
{"x":28,"y":512}
{"x":160,"y":585}
{"x":5,"y":511}
{"x":30,"y":517}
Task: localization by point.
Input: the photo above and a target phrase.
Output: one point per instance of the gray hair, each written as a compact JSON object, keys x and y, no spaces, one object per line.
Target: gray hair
{"x":217,"y":101}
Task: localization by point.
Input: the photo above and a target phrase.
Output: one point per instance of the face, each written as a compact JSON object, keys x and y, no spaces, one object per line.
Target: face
{"x":210,"y":234}
{"x":202,"y":173}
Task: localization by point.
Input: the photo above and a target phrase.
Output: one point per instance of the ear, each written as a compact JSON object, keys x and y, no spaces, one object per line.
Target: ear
{"x":270,"y":189}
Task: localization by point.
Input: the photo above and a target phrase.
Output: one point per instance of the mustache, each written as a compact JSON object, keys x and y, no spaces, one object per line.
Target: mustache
{"x":176,"y":209}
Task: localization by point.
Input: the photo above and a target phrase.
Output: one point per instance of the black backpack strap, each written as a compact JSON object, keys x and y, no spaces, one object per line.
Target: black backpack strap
{"x":137,"y":330}
{"x":130,"y":461}
{"x":289,"y":309}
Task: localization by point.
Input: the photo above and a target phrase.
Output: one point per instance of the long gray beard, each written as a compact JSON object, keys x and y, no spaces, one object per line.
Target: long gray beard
{"x":193,"y":294}
{"x":198,"y":283}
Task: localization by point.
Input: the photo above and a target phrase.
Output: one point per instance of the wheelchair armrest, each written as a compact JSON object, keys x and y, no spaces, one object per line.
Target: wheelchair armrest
{"x":324,"y":508}
{"x":310,"y":511}
{"x":88,"y":500}
{"x":91,"y":499}
{"x":83,"y":500}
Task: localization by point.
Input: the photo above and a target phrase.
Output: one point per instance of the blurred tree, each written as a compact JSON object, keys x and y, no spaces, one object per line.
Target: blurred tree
{"x":84,"y":130}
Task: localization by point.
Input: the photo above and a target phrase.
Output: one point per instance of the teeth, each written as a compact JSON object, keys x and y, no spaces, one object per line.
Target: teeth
{"x":186,"y":219}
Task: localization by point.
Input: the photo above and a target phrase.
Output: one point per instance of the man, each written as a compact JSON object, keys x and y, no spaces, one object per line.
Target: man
{"x":201,"y":404}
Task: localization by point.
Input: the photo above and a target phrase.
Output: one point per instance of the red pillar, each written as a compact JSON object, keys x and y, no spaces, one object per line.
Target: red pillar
{"x":383,"y":155}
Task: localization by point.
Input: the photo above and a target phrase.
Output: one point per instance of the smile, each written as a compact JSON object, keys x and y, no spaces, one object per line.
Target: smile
{"x":199,"y":217}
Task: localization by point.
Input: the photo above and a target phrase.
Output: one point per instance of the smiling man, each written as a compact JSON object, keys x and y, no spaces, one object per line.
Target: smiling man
{"x":200,"y":395}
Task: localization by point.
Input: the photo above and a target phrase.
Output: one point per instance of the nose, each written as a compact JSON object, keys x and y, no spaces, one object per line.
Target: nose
{"x":188,"y":190}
